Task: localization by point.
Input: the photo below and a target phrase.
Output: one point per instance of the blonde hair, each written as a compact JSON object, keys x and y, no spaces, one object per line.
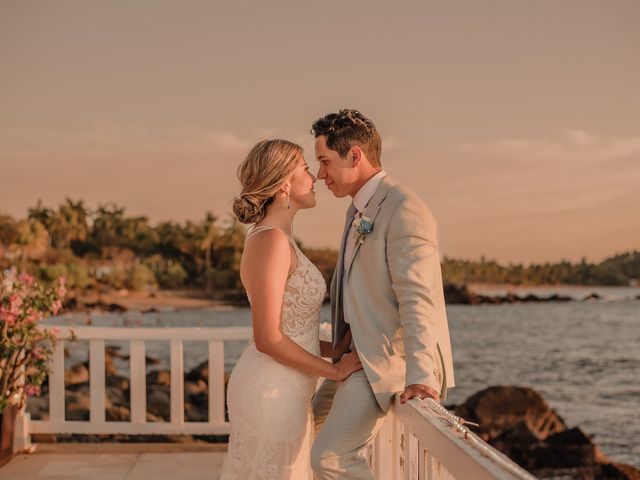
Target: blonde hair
{"x":262,"y":173}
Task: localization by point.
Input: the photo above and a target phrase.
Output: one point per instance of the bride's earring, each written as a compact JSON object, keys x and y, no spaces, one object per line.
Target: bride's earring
{"x":288,"y":201}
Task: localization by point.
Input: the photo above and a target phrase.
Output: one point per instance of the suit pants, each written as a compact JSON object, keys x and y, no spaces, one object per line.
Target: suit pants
{"x":347,"y":418}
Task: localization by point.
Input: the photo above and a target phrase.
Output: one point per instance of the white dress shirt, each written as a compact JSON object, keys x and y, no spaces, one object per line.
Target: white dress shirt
{"x":360,"y":201}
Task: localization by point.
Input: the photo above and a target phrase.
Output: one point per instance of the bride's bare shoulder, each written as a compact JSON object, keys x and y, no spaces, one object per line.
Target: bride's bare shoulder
{"x":266,"y":247}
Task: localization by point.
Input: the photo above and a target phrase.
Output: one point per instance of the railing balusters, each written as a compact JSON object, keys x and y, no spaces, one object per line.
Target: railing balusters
{"x":96,"y":380}
{"x":56,"y":384}
{"x":438,"y":451}
{"x":177,"y":382}
{"x":216,"y":381}
{"x":425,"y":463}
{"x":414,"y":455}
{"x":138,"y":379}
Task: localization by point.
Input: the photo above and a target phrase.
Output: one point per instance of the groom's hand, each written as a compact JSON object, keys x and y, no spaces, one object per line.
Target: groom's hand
{"x":420,"y":391}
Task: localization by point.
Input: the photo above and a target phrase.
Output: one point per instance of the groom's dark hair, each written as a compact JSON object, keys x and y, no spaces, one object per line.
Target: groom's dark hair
{"x":347,"y":128}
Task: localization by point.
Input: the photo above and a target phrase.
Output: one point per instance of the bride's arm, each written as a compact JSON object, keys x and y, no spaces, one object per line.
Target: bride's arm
{"x":267,"y":258}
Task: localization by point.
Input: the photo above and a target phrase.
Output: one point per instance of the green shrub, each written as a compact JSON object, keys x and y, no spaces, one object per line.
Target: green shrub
{"x":173,"y":275}
{"x":49,"y":273}
{"x":142,"y":277}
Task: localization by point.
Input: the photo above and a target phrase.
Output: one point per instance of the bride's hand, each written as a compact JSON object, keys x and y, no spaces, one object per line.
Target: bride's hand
{"x":348,"y":364}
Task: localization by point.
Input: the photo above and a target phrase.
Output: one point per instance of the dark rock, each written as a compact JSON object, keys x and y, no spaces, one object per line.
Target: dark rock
{"x":106,"y":307}
{"x":615,"y":471}
{"x":520,"y":434}
{"x":518,"y":422}
{"x":69,"y":304}
{"x":498,"y":409}
{"x":116,"y":381}
{"x":195,"y":388}
{"x":77,"y":404}
{"x":558,"y":298}
{"x":159,"y":377}
{"x":158,"y":401}
{"x":118,"y":413}
{"x":462,"y":295}
{"x":592,"y":296}
{"x":116,"y":396}
{"x":199,"y":372}
{"x":78,"y":373}
{"x":457,"y":295}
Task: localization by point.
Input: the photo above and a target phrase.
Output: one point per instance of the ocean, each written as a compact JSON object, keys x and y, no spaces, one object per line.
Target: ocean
{"x":582,"y":356}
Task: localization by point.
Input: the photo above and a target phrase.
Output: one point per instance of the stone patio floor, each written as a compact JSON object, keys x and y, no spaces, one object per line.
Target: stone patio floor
{"x":131,"y":461}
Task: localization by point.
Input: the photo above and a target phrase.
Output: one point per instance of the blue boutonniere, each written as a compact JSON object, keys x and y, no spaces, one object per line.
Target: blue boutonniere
{"x":363,"y":226}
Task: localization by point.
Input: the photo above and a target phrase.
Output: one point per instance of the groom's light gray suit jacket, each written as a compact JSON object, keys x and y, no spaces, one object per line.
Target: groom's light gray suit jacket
{"x":393,"y":299}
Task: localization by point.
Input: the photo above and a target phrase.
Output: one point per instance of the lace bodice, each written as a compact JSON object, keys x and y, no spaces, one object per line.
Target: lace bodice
{"x":303,"y":296}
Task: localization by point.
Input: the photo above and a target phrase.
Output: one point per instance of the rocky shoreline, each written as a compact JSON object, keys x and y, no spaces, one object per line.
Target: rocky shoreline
{"x":122,"y":301}
{"x":518,"y":422}
{"x":515,"y":420}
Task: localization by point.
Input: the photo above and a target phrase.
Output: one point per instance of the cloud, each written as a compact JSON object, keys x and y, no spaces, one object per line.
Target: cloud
{"x":100,"y":140}
{"x":572,"y":146}
{"x":514,"y":179}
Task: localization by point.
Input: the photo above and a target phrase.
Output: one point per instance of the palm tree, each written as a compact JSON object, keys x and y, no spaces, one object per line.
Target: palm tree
{"x":43,"y":215}
{"x":69,"y":224}
{"x":211,"y":233}
{"x":108,"y":225}
{"x":32,"y":240}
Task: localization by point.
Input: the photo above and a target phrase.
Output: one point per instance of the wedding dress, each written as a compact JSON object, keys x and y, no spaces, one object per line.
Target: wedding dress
{"x":270,"y":403}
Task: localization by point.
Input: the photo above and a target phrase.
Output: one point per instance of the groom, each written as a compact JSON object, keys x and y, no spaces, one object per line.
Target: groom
{"x":386,"y":298}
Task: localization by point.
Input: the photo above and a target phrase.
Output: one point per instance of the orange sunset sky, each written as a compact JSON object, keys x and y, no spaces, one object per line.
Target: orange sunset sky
{"x":517,"y":122}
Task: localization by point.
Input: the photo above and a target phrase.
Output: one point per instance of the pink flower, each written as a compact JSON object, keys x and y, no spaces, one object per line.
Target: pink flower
{"x":7,"y":316}
{"x":37,"y":354}
{"x":33,"y":315}
{"x":32,"y":390}
{"x":27,"y":279}
{"x":56,"y":306}
{"x":55,"y":331}
{"x":15,"y":302}
{"x":61,"y":291}
{"x":62,"y":281}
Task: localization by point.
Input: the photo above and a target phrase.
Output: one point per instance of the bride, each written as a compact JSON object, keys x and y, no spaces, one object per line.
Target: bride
{"x":271,"y":387}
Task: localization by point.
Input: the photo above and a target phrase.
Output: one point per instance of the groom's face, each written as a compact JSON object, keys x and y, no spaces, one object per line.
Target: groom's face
{"x":336,"y":172}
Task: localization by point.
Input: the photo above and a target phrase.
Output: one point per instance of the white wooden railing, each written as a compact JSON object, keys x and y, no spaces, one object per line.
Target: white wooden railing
{"x":419,"y":440}
{"x":136,"y":337}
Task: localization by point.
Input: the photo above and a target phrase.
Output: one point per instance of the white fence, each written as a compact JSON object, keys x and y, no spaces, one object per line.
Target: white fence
{"x":138,"y":425}
{"x":418,"y":441}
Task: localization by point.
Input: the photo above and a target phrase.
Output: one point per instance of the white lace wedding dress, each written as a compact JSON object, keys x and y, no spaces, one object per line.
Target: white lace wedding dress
{"x":270,"y":403}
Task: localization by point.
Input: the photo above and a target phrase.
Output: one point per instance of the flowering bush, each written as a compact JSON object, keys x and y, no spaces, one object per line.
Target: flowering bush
{"x":25,"y":347}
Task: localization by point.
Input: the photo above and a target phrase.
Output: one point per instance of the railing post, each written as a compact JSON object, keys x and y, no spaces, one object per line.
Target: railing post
{"x":56,"y":384}
{"x":96,"y":380}
{"x":177,"y":382}
{"x":138,"y":381}
{"x":216,"y":382}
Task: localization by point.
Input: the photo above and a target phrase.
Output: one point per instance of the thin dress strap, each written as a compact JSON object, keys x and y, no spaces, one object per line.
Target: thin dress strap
{"x":253,"y":230}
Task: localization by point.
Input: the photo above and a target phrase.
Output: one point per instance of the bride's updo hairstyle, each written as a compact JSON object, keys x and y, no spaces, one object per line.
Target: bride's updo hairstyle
{"x":262,"y":173}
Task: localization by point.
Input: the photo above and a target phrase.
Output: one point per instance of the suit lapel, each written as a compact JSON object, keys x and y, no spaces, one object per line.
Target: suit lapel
{"x":371,"y":210}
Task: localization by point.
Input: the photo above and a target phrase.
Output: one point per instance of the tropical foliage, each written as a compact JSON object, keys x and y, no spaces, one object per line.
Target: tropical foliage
{"x":105,"y":247}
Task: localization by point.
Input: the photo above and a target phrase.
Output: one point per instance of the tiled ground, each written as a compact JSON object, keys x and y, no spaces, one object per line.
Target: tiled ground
{"x":140,"y":463}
